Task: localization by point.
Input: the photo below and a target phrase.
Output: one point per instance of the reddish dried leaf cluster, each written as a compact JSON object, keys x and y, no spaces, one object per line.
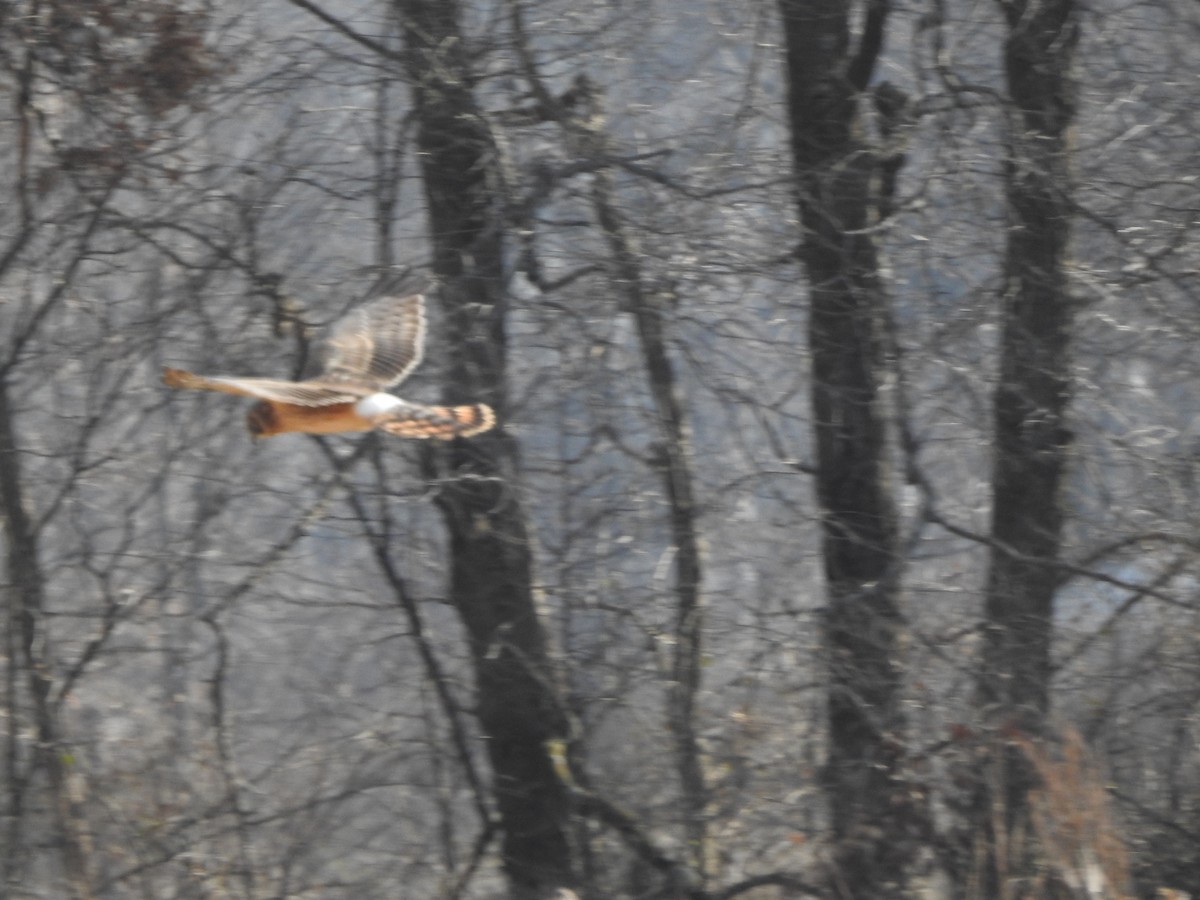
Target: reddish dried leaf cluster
{"x":1073,"y":820}
{"x":152,"y":51}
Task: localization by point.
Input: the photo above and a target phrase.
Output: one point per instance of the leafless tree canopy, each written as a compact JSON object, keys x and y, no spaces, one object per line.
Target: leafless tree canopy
{"x":837,"y":538}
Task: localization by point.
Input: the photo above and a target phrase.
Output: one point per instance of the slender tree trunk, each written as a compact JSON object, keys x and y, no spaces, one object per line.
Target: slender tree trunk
{"x":581,"y":116}
{"x":26,"y":593}
{"x":1032,"y":441}
{"x":490,"y":577}
{"x":827,"y":73}
{"x":675,"y":470}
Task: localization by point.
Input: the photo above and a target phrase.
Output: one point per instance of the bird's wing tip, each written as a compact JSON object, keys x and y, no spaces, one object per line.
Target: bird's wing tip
{"x":177,"y":377}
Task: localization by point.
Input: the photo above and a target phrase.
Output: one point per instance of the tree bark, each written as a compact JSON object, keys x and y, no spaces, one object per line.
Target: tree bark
{"x":675,"y":470}
{"x":27,"y":602}
{"x":827,"y":73}
{"x":580,"y":113}
{"x":490,"y":565}
{"x":1032,"y":441}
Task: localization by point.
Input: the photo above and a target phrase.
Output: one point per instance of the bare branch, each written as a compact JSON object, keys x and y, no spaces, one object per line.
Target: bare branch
{"x":342,"y":28}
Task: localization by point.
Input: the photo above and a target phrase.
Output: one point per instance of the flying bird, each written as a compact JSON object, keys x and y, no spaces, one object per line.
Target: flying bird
{"x":368,"y":350}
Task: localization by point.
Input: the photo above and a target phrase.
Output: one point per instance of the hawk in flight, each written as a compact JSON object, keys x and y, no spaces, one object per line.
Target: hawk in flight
{"x":370,"y":349}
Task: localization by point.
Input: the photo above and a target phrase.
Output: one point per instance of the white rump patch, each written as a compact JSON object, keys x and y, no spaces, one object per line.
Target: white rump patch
{"x":375,"y":405}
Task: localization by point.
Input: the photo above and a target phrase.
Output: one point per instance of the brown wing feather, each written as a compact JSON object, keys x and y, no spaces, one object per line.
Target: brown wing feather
{"x":300,"y":393}
{"x":377,"y":345}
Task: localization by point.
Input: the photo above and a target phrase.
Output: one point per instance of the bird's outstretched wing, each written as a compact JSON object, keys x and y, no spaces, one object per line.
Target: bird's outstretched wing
{"x":300,"y":393}
{"x":367,"y":350}
{"x":375,"y":346}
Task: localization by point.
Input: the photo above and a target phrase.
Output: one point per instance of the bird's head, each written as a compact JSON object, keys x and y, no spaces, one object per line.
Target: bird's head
{"x":260,"y":420}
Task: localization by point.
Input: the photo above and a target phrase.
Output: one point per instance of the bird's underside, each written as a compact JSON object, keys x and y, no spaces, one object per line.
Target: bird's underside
{"x":370,"y":349}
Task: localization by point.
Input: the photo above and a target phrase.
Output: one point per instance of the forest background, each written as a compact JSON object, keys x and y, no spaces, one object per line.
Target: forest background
{"x":838,"y":538}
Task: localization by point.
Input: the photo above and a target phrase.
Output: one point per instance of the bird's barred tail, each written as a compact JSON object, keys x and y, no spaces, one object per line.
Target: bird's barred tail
{"x":442,"y":422}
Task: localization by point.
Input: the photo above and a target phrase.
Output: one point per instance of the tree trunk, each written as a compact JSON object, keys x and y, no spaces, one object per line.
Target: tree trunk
{"x":490,"y":577}
{"x":834,"y":170}
{"x":675,"y":470}
{"x":26,"y":593}
{"x":1032,"y":441}
{"x":583,"y":123}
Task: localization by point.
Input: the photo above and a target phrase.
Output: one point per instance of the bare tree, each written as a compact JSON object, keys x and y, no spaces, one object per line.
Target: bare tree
{"x":646,"y":641}
{"x":490,"y":555}
{"x":86,"y":117}
{"x":1032,"y":439}
{"x":828,"y":72}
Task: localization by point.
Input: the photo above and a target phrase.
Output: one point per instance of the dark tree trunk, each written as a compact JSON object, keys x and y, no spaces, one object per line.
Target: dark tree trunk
{"x":848,"y":313}
{"x":1032,"y":441}
{"x":490,"y":579}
